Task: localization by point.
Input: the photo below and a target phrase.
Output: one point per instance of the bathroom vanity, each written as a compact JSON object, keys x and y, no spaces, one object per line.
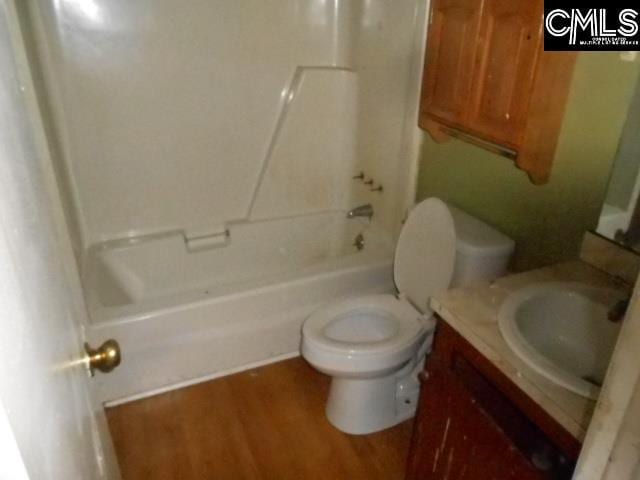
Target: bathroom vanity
{"x":485,"y":410}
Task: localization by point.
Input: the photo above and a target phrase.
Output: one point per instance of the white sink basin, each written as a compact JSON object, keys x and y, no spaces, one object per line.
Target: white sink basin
{"x":561,"y":330}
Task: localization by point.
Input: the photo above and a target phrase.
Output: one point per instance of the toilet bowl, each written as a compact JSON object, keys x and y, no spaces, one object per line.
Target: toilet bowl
{"x":373,"y":346}
{"x":370,"y":346}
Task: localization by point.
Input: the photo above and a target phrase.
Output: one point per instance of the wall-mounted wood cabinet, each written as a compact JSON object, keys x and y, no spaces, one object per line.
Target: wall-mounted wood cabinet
{"x":488,"y":81}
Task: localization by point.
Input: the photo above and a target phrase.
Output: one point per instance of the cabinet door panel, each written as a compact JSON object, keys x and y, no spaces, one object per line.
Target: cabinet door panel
{"x":510,"y":34}
{"x":451,"y":46}
{"x":455,"y":439}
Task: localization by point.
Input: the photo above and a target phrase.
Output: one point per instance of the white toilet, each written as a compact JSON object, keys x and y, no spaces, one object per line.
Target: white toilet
{"x":373,"y":346}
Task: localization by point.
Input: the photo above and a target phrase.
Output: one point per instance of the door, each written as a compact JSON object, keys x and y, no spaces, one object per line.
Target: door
{"x":50,"y":428}
{"x":451,"y":47}
{"x":511,"y":36}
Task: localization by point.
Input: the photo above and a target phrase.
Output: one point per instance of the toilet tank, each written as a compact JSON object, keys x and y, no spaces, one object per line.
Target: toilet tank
{"x":482,"y":252}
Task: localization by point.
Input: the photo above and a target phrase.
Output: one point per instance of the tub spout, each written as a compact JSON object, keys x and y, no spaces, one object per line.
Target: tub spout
{"x":361,"y":211}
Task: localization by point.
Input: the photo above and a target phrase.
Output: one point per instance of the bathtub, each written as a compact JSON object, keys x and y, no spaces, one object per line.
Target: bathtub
{"x":183,"y":314}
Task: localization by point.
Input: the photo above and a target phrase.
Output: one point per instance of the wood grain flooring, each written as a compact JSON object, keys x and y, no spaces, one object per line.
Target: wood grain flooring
{"x":266,"y":423}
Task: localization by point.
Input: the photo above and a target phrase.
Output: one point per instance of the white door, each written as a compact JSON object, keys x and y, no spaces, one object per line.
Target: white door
{"x":50,"y":428}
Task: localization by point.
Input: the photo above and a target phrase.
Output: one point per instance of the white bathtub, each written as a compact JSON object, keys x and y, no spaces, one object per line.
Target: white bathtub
{"x":182,"y":316}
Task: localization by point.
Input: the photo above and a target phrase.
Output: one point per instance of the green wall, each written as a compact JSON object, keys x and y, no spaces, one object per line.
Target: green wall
{"x":548,"y":221}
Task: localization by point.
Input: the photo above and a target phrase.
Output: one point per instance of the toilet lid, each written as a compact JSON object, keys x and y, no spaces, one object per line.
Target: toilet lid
{"x":425,"y":254}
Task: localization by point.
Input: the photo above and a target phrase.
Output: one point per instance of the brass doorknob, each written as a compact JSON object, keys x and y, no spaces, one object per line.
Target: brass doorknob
{"x":104,"y":358}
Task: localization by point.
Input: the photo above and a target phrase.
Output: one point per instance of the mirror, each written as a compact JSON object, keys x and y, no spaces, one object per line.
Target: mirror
{"x":620,"y":215}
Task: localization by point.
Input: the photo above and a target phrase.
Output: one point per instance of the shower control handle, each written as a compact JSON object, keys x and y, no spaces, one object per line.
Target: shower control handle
{"x":104,"y":358}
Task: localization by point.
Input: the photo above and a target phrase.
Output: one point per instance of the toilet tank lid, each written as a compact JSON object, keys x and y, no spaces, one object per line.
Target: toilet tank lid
{"x":474,"y":237}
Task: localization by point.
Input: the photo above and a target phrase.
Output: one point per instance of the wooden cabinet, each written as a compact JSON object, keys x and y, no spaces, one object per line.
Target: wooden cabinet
{"x":452,"y":44}
{"x":473,"y":423}
{"x":488,"y":81}
{"x":510,"y":37}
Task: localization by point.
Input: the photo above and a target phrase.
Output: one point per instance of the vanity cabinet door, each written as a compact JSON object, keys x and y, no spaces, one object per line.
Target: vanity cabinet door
{"x":510,"y":39}
{"x":455,"y":439}
{"x":473,"y":423}
{"x":451,"y":49}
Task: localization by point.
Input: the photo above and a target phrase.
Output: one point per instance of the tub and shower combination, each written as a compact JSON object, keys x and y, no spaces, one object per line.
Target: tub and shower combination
{"x":207,"y":154}
{"x":181,"y":314}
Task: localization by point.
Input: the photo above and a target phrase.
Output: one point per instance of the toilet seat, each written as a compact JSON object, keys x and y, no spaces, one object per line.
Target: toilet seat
{"x":425,"y":254}
{"x":339,"y":349}
{"x":403,"y":316}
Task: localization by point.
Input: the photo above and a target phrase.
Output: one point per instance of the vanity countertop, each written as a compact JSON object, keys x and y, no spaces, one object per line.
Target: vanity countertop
{"x":473,"y":312}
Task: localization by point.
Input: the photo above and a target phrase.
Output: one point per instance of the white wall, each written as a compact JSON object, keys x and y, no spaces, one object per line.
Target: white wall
{"x":188,"y":115}
{"x":388,"y":58}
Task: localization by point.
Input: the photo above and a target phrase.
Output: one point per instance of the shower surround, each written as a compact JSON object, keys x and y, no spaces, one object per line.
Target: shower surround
{"x":205,"y":152}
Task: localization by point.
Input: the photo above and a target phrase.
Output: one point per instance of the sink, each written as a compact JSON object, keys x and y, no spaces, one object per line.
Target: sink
{"x":561,"y":330}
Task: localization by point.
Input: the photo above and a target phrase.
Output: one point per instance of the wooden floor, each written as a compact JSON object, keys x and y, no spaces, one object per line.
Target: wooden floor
{"x":266,"y":423}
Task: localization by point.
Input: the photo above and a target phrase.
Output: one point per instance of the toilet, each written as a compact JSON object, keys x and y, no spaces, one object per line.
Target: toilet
{"x":373,"y":346}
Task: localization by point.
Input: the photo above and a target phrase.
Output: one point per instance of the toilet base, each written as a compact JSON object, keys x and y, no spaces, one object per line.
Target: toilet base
{"x":364,"y":405}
